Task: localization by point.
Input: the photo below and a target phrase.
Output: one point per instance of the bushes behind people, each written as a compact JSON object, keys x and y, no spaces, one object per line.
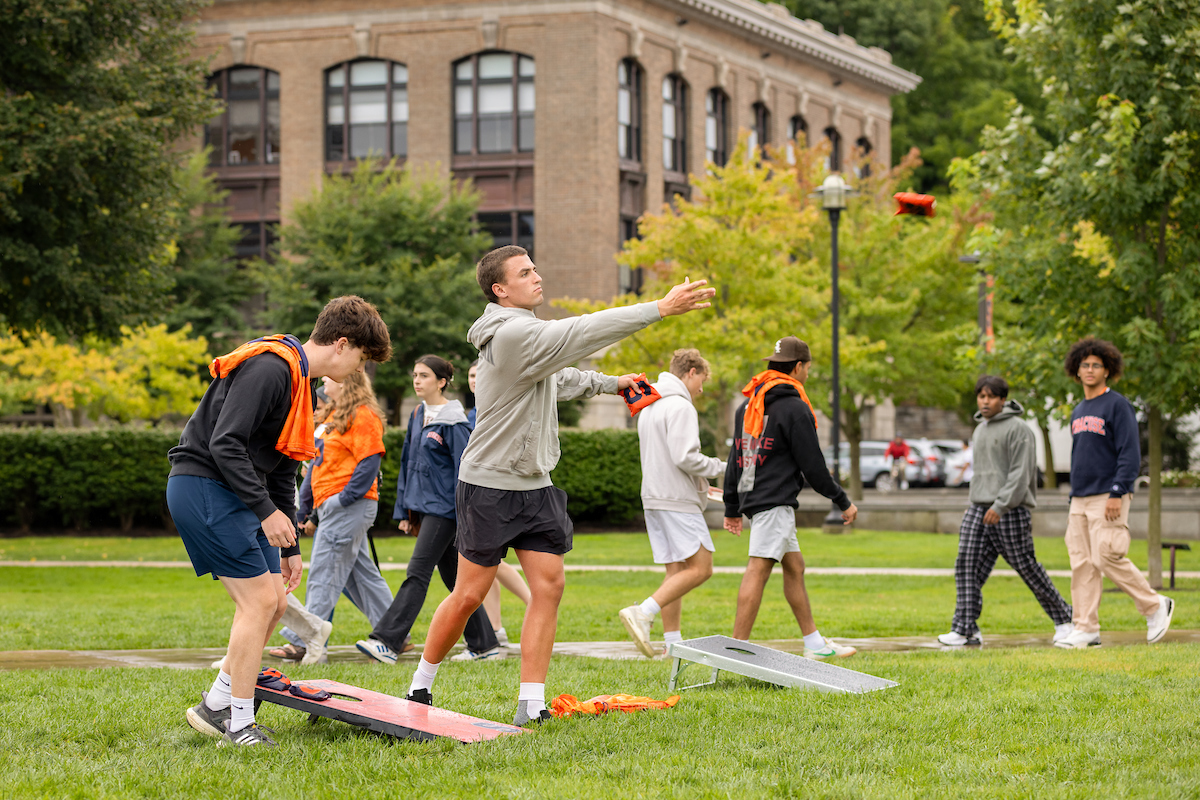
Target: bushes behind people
{"x":54,"y":478}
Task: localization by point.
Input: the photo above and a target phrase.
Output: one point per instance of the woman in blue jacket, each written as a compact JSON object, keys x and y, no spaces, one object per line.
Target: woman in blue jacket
{"x":438,"y":432}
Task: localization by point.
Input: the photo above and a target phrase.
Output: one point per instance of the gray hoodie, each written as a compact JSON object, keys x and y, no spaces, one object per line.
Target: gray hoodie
{"x":524,"y":370}
{"x":1004,"y":459}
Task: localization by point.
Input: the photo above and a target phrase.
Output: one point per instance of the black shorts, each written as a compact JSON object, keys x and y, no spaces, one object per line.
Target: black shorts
{"x":492,"y":520}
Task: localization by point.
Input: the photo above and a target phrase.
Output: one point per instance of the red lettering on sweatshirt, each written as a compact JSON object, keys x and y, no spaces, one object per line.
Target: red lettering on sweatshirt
{"x":1088,"y":425}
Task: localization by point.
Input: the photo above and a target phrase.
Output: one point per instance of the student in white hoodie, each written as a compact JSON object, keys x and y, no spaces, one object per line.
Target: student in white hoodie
{"x":505,"y":497}
{"x":674,"y":493}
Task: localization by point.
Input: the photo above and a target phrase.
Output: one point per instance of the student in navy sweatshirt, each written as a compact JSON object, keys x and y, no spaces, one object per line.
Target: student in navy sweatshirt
{"x":1105,"y":457}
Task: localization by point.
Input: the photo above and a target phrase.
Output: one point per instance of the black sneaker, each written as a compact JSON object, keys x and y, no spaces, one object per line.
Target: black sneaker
{"x":252,"y":734}
{"x":422,"y":696}
{"x":207,"y":721}
{"x":522,"y":718}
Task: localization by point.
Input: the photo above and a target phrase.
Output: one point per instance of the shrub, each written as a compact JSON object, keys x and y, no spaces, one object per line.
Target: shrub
{"x":51,"y":477}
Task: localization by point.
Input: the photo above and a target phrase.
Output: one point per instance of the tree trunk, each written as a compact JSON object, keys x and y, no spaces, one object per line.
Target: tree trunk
{"x":852,"y":427}
{"x":1051,"y":475}
{"x":1154,"y":534}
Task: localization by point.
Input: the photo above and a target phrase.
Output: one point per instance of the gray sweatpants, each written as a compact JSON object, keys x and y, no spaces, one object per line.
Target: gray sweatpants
{"x":341,"y":558}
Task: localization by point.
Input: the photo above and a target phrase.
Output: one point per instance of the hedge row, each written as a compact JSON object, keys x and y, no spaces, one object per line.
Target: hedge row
{"x":51,"y":478}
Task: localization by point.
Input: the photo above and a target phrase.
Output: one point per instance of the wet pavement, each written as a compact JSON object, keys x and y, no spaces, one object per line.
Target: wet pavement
{"x":203,"y":657}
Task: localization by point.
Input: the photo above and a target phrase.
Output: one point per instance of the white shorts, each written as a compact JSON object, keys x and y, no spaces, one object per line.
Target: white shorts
{"x":773,"y":533}
{"x":676,"y":535}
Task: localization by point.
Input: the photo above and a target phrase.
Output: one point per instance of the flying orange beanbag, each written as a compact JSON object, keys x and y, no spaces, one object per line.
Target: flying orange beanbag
{"x":566,"y":705}
{"x":922,"y":205}
{"x":640,"y":395}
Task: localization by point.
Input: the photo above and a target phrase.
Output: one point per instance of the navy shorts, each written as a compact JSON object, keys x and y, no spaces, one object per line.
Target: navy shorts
{"x":492,"y":520}
{"x":222,"y":535}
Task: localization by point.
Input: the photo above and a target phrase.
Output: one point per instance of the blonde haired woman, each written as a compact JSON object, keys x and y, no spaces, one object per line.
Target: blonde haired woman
{"x":342,"y":486}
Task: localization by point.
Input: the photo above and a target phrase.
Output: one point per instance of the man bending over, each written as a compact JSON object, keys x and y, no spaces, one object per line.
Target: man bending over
{"x":504,"y":497}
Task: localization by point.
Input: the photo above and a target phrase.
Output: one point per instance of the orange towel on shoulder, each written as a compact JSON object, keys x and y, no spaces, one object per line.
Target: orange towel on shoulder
{"x":296,"y":438}
{"x":752,"y":424}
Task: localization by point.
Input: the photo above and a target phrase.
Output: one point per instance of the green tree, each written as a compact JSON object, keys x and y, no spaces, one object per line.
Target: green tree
{"x":1101,"y":217}
{"x":91,"y":96}
{"x":212,"y":290}
{"x":904,"y":298}
{"x":407,"y":243}
{"x":967,"y":78}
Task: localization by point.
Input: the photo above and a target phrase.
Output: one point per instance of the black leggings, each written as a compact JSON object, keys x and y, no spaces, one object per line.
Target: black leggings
{"x":435,"y":548}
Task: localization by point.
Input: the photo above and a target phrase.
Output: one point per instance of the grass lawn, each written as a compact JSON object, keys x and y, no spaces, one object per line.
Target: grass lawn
{"x":1116,"y":722}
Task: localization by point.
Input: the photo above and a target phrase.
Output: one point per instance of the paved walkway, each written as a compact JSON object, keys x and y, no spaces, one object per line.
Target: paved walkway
{"x":926,"y":572}
{"x":203,"y":657}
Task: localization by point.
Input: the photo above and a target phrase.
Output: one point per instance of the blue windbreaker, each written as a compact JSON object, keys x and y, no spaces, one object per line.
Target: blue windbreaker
{"x":429,"y":462}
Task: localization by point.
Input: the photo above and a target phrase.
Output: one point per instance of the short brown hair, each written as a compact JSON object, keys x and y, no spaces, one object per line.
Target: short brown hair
{"x":359,"y":322}
{"x":1105,"y":351}
{"x":687,"y":359}
{"x":490,"y":268}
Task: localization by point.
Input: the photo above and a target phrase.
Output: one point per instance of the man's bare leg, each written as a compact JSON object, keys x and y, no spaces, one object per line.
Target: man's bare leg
{"x":682,"y":577}
{"x":259,"y":603}
{"x":450,"y":619}
{"x":544,"y":571}
{"x":754,"y":581}
{"x":795,"y":593}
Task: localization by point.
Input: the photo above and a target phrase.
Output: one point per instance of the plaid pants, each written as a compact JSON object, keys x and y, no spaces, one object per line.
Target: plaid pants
{"x":978,"y":547}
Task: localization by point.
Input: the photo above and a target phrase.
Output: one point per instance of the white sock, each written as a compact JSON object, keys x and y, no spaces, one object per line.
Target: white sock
{"x":220,"y":695}
{"x":814,"y":640}
{"x":241,"y":713}
{"x":534,"y":694}
{"x":423,"y":677}
{"x":672,"y":636}
{"x":650,"y":607}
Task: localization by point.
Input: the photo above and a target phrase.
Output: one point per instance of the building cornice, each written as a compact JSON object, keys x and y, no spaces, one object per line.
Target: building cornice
{"x":768,"y":25}
{"x":806,"y":38}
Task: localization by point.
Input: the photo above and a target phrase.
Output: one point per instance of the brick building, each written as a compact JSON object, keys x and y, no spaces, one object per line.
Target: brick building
{"x":572,"y":116}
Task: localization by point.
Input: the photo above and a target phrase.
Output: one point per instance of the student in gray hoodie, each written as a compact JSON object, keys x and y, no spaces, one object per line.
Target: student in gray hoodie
{"x":998,"y":522}
{"x":505,"y":497}
{"x":674,"y":494}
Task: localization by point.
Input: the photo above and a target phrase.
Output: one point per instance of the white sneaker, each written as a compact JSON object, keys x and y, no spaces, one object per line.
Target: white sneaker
{"x":502,"y":636}
{"x":314,"y":652}
{"x":1063,"y":631}
{"x":1079,"y":640}
{"x":953,"y":639}
{"x":637,"y":624}
{"x":1159,"y":622}
{"x":486,"y":655}
{"x":831,"y":650}
{"x":376,"y":650}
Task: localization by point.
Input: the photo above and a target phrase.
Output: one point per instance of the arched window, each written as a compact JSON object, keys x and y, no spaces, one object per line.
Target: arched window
{"x":863,"y":148}
{"x":760,"y":134}
{"x":629,"y":110}
{"x":246,"y":132}
{"x":834,"y":163}
{"x":366,"y":110}
{"x":716,"y":127}
{"x":493,"y":104}
{"x":674,"y":119}
{"x":796,"y":126}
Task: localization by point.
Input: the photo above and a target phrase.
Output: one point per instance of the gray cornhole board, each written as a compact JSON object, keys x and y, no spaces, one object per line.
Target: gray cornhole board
{"x":773,"y":666}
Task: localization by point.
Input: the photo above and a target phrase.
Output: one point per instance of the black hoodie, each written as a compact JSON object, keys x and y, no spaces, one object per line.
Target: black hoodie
{"x":783,"y":458}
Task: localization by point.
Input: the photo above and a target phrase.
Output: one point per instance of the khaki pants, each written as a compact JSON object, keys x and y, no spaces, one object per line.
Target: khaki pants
{"x":1098,"y":548}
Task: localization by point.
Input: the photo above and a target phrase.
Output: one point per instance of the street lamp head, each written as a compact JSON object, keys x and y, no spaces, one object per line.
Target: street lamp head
{"x":834,"y":193}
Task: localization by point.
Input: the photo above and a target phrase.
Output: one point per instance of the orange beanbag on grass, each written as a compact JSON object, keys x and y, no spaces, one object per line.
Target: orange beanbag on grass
{"x":566,"y":705}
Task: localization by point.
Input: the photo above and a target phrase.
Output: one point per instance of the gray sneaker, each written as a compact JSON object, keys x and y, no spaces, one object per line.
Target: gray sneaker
{"x":209,"y":722}
{"x":522,"y":717}
{"x":252,"y":734}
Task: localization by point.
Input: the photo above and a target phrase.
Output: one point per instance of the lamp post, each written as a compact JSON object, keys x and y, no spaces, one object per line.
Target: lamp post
{"x":833,"y":194}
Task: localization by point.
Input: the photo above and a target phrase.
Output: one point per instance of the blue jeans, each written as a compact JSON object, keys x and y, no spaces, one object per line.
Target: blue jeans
{"x":341,"y":558}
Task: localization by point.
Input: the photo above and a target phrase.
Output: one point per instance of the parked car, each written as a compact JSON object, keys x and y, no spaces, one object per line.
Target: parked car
{"x":959,"y":468}
{"x":876,"y":468}
{"x":929,"y":460}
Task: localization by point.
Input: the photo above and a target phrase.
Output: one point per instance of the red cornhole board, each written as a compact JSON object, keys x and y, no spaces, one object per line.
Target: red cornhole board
{"x":389,"y":715}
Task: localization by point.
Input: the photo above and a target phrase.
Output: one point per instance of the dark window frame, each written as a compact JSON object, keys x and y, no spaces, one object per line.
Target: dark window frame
{"x":220,"y":81}
{"x":517,"y":217}
{"x":347,"y":161}
{"x":516,"y":79}
{"x":835,"y":149}
{"x":678,"y":142}
{"x":716,"y":107}
{"x":630,"y":135}
{"x":864,"y":148}
{"x":762,"y":124}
